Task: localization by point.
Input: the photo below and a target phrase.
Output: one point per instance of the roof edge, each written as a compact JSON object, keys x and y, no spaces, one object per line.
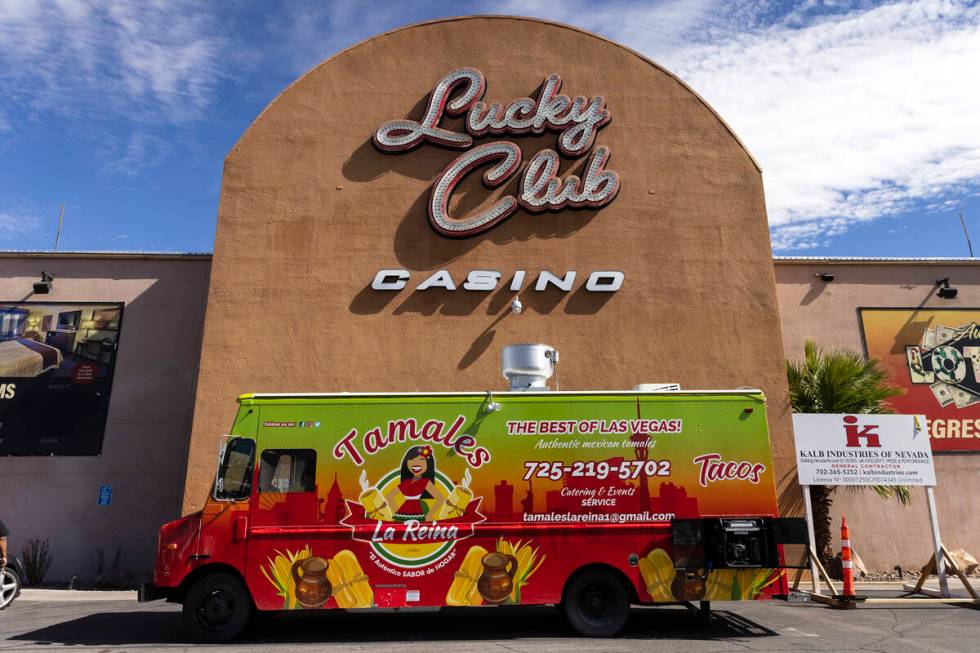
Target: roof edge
{"x":553,"y":23}
{"x":872,"y":260}
{"x":780,"y":260}
{"x":98,"y":254}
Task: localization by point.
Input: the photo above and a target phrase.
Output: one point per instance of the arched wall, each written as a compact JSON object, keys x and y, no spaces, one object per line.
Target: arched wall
{"x":310,"y":211}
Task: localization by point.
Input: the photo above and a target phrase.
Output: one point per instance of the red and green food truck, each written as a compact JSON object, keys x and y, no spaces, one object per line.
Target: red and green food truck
{"x":592,"y":501}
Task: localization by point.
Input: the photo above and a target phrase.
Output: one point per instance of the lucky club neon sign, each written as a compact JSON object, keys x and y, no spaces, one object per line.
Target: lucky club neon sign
{"x":577,"y":122}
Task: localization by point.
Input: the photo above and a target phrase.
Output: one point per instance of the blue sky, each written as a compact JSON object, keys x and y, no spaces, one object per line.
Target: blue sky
{"x":863,"y":116}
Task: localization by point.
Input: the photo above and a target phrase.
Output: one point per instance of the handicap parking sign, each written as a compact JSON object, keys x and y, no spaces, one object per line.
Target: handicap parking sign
{"x":105,"y":495}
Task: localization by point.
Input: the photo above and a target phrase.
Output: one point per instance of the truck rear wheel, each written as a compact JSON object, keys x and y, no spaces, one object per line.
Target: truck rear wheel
{"x":217,"y":608}
{"x":596,"y":604}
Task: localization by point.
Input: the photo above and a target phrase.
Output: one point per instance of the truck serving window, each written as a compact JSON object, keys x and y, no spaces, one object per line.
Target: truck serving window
{"x":287,"y":470}
{"x":234,"y":481}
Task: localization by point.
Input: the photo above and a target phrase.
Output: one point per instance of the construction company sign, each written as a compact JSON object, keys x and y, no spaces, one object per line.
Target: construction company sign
{"x":837,"y":449}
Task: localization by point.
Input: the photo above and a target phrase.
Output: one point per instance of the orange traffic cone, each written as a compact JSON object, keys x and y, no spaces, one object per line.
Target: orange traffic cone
{"x":845,"y":558}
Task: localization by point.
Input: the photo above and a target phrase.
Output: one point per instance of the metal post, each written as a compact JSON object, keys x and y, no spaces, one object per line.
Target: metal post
{"x":61,"y":220}
{"x":937,"y":543}
{"x":814,"y":579}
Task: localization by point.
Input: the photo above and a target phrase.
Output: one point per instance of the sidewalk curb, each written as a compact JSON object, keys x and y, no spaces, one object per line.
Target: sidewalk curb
{"x":29,"y":594}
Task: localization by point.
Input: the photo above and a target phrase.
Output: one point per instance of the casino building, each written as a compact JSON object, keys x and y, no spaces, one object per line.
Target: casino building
{"x":377,"y":223}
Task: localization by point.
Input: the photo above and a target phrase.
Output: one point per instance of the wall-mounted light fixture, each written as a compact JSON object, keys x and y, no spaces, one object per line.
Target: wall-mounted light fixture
{"x":946,"y":291}
{"x":516,"y":306}
{"x":824,"y":276}
{"x":43,"y":287}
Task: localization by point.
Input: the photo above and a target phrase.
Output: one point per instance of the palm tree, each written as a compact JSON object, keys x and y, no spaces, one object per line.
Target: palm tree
{"x":838,"y":381}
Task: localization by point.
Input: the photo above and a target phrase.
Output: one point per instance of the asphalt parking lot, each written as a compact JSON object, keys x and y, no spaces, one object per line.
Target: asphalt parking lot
{"x":118,"y":625}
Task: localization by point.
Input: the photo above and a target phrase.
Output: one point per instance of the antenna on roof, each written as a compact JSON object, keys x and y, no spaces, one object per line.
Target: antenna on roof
{"x":967,"y":234}
{"x":61,"y":220}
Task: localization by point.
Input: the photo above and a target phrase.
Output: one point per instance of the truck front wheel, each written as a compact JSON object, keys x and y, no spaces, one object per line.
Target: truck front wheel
{"x":596,"y":604}
{"x":217,"y":608}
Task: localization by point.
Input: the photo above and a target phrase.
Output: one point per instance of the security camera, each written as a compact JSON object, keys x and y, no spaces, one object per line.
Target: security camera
{"x":516,"y":306}
{"x":43,"y":287}
{"x":946,"y":291}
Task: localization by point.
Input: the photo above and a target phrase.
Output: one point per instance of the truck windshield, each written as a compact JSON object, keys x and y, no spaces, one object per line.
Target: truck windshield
{"x":234,"y":480}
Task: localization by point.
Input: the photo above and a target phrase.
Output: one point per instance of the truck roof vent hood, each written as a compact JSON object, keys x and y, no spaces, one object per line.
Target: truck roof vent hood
{"x":658,"y":387}
{"x":528,"y":367}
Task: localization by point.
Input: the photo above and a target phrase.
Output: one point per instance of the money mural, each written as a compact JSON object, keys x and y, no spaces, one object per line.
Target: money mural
{"x":948,"y":360}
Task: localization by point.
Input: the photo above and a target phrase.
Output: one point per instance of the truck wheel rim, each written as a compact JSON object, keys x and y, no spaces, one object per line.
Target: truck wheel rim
{"x":594,"y":603}
{"x":7,"y":589}
{"x":217,"y":608}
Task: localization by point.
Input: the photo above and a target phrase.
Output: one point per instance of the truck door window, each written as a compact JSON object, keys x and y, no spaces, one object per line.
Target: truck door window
{"x":287,"y":470}
{"x":234,"y":480}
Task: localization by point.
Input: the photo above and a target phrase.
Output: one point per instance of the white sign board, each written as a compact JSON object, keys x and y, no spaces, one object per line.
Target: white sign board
{"x":836,"y":449}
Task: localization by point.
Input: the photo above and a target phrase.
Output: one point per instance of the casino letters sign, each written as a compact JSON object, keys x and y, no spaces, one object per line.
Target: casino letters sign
{"x":577,"y":122}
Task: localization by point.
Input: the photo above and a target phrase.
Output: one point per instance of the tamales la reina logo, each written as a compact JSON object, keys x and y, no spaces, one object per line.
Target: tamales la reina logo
{"x":413,"y":515}
{"x":947,"y":359}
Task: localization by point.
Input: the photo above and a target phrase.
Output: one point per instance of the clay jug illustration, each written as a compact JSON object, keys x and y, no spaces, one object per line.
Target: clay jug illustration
{"x":688,"y":587}
{"x":312,"y":587}
{"x":497,"y":581}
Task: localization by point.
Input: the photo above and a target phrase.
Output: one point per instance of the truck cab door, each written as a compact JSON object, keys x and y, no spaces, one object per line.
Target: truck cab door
{"x":224,"y":520}
{"x":283,"y":525}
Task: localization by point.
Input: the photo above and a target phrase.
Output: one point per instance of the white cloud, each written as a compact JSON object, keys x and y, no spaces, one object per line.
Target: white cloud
{"x":311,"y":31}
{"x":854,"y":111}
{"x":853,"y":114}
{"x":854,"y":117}
{"x":142,"y":151}
{"x":19,"y":226}
{"x":146,"y":61}
{"x":643,"y":26}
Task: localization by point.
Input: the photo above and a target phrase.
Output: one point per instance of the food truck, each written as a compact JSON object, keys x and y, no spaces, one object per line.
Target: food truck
{"x":591,"y":501}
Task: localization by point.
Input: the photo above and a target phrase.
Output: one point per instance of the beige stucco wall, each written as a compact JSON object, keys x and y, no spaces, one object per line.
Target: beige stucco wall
{"x":148,"y":427}
{"x":310,"y":211}
{"x":885,"y":533}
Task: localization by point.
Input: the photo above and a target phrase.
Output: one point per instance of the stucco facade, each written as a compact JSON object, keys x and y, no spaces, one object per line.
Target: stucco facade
{"x":148,"y":427}
{"x":148,"y":431}
{"x":885,"y":533}
{"x":310,"y":210}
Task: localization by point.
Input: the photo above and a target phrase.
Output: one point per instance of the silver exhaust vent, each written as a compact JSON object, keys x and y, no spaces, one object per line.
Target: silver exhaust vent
{"x":528,"y":367}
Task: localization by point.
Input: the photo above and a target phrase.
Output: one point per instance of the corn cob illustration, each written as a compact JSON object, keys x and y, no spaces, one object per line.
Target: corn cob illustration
{"x":375,"y":506}
{"x":720,"y":585}
{"x":458,"y":499}
{"x":657,"y":571}
{"x":739,"y":584}
{"x":351,"y":588}
{"x":463,"y":591}
{"x":279,"y":574}
{"x":527,"y":563}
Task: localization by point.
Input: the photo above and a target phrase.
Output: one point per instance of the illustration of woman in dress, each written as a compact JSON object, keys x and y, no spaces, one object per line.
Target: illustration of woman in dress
{"x":417,"y":485}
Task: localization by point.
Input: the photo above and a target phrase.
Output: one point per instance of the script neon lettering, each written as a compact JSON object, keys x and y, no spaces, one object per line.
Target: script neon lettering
{"x":577,"y":120}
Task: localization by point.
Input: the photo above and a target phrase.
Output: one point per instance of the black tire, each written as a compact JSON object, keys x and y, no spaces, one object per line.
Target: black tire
{"x":9,"y":586}
{"x":596,"y":603}
{"x":216,"y":609}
